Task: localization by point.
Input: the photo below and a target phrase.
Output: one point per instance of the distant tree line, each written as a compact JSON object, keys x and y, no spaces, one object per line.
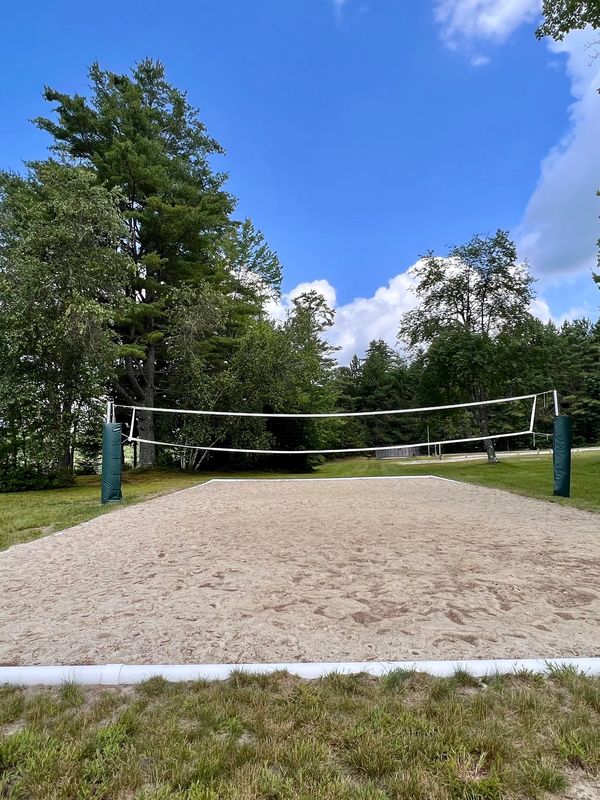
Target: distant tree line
{"x":124,"y":272}
{"x":473,"y":337}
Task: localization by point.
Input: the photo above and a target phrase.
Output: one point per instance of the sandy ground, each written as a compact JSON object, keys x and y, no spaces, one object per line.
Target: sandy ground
{"x":308,"y":570}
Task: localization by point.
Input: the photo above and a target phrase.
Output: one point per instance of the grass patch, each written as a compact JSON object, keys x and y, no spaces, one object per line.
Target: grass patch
{"x":525,"y":475}
{"x":406,"y":736}
{"x":29,"y":515}
{"x":25,"y":516}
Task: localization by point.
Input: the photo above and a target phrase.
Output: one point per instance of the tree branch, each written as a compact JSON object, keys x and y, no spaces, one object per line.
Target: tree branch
{"x":137,"y":388}
{"x":121,"y":391}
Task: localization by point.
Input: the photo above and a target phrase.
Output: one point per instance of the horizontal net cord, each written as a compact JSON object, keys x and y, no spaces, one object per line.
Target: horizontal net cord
{"x":210,"y":448}
{"x":332,"y":415}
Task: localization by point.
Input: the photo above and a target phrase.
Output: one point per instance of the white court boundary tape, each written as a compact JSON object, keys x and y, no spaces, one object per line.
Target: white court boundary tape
{"x":319,"y":480}
{"x":129,"y":674}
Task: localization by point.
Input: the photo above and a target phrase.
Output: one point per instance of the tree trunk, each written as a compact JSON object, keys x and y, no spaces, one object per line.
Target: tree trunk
{"x":482,"y":419}
{"x":491,"y":452}
{"x":14,"y":449}
{"x":65,"y":463}
{"x":64,"y":460}
{"x":145,"y":419}
{"x":145,"y":430}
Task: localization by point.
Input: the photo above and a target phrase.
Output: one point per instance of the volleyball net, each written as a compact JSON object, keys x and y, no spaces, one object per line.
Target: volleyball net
{"x":265,"y":433}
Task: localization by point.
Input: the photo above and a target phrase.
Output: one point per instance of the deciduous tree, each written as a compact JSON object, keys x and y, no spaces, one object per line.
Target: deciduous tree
{"x":563,"y":16}
{"x":467,"y":300}
{"x":61,"y":281}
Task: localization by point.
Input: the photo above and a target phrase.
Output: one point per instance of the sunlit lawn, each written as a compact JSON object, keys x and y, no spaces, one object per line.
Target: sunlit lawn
{"x":25,"y":516}
{"x":406,"y":736}
{"x":528,"y":475}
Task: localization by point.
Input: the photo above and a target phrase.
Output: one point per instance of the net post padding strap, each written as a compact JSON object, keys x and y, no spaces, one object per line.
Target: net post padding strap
{"x":343,"y":450}
{"x":533,"y":410}
{"x":131,"y":427}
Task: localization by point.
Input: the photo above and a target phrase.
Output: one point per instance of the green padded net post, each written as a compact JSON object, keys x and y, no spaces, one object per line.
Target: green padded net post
{"x":111,"y":460}
{"x":562,"y":456}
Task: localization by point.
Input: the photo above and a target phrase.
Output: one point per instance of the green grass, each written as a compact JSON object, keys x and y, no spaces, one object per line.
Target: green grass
{"x":28,"y":515}
{"x":25,"y":516}
{"x":406,"y":737}
{"x":526,"y":475}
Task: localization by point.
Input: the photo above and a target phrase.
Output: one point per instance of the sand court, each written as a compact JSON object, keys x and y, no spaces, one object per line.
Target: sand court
{"x":308,"y":570}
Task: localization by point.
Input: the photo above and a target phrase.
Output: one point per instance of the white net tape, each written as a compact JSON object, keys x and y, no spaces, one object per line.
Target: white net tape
{"x":333,"y":415}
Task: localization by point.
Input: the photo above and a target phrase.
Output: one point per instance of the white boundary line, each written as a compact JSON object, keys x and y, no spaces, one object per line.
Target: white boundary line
{"x":318,"y":480}
{"x":127,"y":674}
{"x":349,"y":478}
{"x":288,"y":480}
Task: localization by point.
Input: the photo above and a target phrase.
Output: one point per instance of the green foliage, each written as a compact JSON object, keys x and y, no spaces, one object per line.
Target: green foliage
{"x":579,"y":377}
{"x":471,"y":303}
{"x":139,"y":134}
{"x":479,"y":287}
{"x":560,"y":17}
{"x":61,"y":280}
{"x":250,"y":267}
{"x":382,"y":380}
{"x":194,"y":266}
{"x":153,"y":299}
{"x":267,"y":368}
{"x":24,"y":479}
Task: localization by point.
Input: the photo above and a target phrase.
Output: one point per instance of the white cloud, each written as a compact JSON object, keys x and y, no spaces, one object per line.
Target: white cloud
{"x":541,"y":309}
{"x":560,"y":227}
{"x":364,"y":318}
{"x":466,"y":21}
{"x":337,"y":7}
{"x":378,"y":317}
{"x":321,"y":286}
{"x":277,"y":309}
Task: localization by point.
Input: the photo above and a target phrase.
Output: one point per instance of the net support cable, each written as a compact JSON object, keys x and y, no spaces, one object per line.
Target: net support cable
{"x":332,"y":415}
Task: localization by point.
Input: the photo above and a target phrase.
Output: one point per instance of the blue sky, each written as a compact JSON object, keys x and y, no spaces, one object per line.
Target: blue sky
{"x":359,"y":133}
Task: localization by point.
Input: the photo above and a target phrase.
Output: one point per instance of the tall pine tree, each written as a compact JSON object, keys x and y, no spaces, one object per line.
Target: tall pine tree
{"x":140,"y":134}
